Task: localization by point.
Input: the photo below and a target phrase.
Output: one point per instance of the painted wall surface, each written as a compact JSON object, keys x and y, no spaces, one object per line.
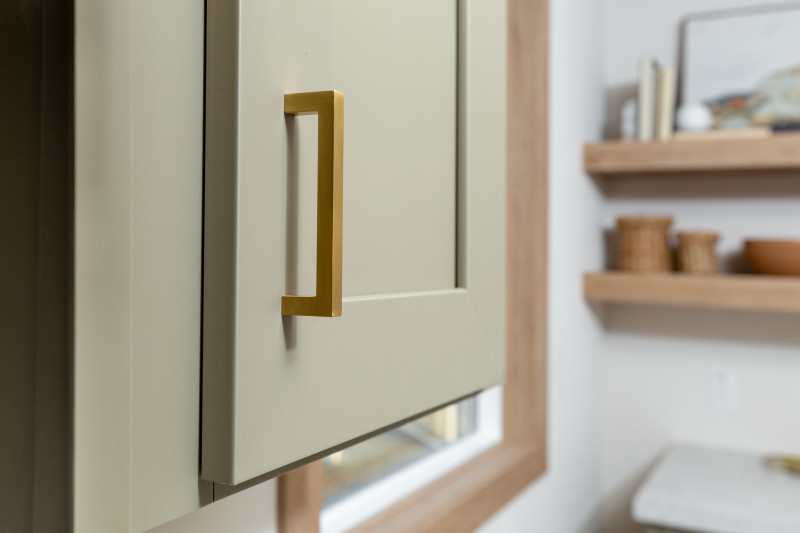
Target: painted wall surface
{"x":656,"y":360}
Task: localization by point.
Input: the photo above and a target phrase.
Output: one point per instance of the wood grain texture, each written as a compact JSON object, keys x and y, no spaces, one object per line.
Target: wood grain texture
{"x":300,"y":499}
{"x":462,"y":500}
{"x":745,"y":292}
{"x":616,"y":158}
{"x":469,"y":495}
{"x":525,"y":391}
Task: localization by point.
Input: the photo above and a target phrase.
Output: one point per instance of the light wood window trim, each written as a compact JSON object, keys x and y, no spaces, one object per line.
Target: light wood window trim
{"x":466,"y":497}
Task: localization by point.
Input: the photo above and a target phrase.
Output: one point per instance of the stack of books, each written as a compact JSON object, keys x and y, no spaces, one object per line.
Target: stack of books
{"x":657,"y":92}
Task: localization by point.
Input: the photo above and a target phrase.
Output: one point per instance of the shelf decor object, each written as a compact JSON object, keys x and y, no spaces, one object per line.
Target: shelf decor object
{"x":774,"y":257}
{"x":743,"y":292}
{"x":743,"y":64}
{"x":696,"y":252}
{"x":644,"y":244}
{"x":718,"y":135}
{"x":648,"y":77}
{"x":667,"y":82}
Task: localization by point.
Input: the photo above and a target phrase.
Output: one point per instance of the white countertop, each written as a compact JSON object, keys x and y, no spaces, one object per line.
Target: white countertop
{"x":718,"y":491}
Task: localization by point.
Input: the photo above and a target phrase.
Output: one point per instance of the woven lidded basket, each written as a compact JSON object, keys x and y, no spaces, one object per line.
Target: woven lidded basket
{"x":644,"y":244}
{"x":696,"y":252}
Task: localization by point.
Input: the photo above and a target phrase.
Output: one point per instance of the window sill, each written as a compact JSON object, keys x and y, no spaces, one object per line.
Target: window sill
{"x":465,"y":498}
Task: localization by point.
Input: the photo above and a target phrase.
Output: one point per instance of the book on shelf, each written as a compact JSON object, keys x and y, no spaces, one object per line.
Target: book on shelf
{"x":648,"y":71}
{"x":667,"y":87}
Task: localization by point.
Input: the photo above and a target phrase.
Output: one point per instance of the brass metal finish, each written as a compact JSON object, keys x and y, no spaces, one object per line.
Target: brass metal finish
{"x":329,"y":106}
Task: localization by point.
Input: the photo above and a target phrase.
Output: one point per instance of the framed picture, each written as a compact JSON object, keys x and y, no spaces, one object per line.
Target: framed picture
{"x":745,"y":65}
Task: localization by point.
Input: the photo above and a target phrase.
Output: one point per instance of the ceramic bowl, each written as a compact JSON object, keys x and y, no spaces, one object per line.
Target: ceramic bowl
{"x":778,"y":257}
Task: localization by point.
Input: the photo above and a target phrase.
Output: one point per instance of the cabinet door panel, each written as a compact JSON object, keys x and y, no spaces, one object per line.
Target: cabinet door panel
{"x":424,"y":173}
{"x":396,"y":63}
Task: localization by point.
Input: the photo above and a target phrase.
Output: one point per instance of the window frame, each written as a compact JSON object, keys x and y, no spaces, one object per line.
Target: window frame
{"x":466,"y":497}
{"x":384,"y":492}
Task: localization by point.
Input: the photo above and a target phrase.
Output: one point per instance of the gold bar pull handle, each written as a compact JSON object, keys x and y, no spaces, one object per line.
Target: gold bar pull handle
{"x":329,"y":106}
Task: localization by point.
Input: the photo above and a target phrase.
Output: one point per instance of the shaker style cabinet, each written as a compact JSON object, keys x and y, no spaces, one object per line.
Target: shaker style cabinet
{"x":354,"y":222}
{"x":289,"y":235}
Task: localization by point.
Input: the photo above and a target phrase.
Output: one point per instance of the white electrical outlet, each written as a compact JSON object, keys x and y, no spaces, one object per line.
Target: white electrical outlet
{"x":722,"y":390}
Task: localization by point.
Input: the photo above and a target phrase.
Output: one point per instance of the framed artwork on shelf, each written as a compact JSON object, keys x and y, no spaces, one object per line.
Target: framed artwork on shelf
{"x":744,"y":64}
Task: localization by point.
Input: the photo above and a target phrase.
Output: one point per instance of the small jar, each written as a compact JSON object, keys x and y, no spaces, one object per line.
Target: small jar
{"x":696,"y":252}
{"x":644,"y":244}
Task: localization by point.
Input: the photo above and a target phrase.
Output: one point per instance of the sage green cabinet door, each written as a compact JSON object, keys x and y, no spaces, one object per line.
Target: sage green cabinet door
{"x":138,"y":241}
{"x":423,"y":283}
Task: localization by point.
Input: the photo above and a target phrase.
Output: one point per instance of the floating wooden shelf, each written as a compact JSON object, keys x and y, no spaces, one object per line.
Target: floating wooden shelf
{"x":779,"y":152}
{"x":745,"y":292}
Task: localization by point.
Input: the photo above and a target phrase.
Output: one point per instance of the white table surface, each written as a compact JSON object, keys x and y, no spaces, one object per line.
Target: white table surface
{"x":708,"y":490}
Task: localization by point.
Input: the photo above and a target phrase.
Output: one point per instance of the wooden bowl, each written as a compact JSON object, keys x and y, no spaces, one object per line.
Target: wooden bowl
{"x":777,"y":257}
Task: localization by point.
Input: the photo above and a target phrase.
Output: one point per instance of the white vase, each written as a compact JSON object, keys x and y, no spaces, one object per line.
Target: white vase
{"x":695,"y":117}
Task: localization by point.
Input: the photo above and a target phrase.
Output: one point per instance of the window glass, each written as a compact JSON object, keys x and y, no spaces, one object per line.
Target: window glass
{"x":349,"y":471}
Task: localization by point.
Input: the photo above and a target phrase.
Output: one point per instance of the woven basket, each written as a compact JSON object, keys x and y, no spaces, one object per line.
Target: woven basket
{"x":696,"y":252}
{"x":644,"y":244}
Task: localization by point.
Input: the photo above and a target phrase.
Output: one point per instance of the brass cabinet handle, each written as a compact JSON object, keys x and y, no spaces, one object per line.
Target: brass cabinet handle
{"x":329,"y":106}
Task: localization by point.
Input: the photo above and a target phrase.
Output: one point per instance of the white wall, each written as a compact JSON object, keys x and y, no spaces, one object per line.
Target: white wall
{"x":656,"y":360}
